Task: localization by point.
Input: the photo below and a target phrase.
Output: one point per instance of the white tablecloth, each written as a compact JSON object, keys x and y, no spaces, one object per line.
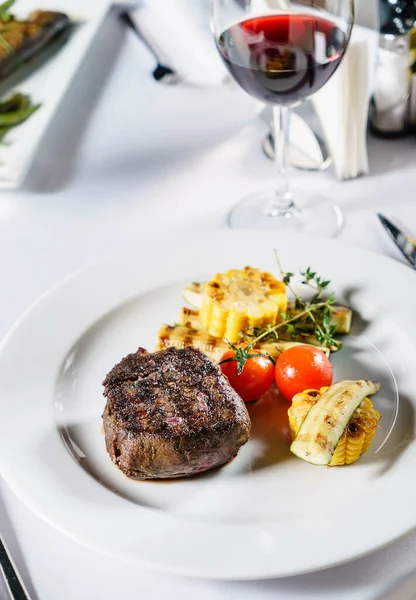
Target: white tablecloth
{"x":127,"y":159}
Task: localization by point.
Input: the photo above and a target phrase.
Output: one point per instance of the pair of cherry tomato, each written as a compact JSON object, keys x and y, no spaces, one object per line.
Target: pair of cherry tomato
{"x":297,"y":369}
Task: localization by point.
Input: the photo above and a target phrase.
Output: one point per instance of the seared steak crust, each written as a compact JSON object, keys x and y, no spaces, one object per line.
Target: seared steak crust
{"x":171,"y":414}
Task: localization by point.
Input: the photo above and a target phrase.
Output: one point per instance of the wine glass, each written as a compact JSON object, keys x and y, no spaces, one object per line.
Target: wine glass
{"x":281,"y":52}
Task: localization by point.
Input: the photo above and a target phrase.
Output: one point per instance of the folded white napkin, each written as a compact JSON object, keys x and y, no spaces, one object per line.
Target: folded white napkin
{"x":181,"y":31}
{"x":342,"y":106}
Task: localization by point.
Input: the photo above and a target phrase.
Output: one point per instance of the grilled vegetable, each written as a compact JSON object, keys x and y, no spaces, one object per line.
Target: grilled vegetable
{"x":15,"y":110}
{"x":189,"y":317}
{"x":237,"y":300}
{"x":4,"y":10}
{"x":20,"y":41}
{"x":341,"y":316}
{"x":15,"y":118}
{"x":15,"y":102}
{"x":357,"y":436}
{"x":182,"y":337}
{"x":325,"y":423}
{"x":193,"y":294}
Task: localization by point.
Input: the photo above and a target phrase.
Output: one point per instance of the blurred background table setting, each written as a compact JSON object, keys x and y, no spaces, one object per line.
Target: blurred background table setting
{"x":113,"y":154}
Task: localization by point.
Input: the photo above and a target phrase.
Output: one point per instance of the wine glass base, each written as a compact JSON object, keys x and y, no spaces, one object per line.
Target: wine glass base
{"x":311,"y":214}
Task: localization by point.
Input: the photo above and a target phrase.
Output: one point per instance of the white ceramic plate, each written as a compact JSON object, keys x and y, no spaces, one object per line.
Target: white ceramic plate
{"x":266,"y":514}
{"x":48,"y":84}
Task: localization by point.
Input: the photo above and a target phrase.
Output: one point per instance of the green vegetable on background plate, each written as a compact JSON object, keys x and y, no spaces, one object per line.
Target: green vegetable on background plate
{"x":16,"y":109}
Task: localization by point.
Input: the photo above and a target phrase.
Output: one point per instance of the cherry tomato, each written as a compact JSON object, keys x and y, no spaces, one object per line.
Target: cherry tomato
{"x":255,"y":378}
{"x":301,"y":368}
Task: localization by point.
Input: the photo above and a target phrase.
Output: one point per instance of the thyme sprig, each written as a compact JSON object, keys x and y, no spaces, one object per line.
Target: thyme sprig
{"x":242,"y":354}
{"x":319,"y":310}
{"x":272,"y":331}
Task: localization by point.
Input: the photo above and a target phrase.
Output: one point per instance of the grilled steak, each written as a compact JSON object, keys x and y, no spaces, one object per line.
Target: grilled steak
{"x":171,"y":414}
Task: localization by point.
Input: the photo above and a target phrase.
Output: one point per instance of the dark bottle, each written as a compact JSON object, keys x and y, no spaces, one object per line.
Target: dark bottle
{"x":396,"y":17}
{"x":412,"y":99}
{"x":389,"y":106}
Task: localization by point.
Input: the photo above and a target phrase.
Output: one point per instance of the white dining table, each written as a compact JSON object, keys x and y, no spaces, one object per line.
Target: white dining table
{"x":128,"y":160}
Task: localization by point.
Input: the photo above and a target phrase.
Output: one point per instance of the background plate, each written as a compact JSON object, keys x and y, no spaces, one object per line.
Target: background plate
{"x":46,"y":85}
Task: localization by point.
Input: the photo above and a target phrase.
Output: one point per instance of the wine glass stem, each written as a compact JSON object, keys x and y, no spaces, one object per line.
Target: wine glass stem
{"x":283,"y":200}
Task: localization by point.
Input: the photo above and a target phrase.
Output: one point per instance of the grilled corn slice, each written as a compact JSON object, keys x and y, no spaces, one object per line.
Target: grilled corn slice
{"x":178,"y":336}
{"x":234,"y":301}
{"x":357,"y":436}
{"x":341,"y":315}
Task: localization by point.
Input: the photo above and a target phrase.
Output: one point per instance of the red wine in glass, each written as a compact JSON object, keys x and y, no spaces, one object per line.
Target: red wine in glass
{"x":282,"y":58}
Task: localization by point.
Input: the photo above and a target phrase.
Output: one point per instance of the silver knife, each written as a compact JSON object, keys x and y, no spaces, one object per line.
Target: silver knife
{"x":405,"y":244}
{"x":15,"y":587}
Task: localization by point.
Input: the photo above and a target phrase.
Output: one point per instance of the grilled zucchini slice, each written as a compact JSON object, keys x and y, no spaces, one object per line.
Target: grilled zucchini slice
{"x":357,"y":436}
{"x":341,"y":316}
{"x":193,"y":294}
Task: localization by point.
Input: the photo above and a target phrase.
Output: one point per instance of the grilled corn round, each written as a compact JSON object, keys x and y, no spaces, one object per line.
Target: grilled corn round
{"x":240,"y":299}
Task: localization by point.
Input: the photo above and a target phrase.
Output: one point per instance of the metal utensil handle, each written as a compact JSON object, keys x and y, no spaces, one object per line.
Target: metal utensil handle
{"x":14,"y":584}
{"x":150,"y":45}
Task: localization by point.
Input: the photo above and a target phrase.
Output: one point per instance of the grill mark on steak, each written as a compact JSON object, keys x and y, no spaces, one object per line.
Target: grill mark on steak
{"x":171,"y":413}
{"x":163,"y":387}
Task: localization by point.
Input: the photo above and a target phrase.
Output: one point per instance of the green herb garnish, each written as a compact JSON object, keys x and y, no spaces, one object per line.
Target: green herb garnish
{"x":242,"y":355}
{"x":309,"y":318}
{"x":316,"y":315}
